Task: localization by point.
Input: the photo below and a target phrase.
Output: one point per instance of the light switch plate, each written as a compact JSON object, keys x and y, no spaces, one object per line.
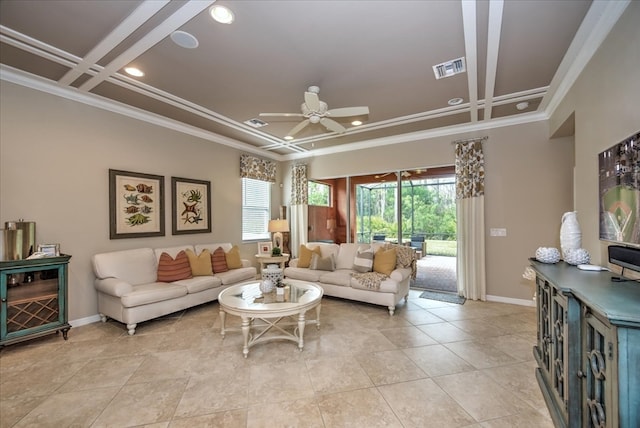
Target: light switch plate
{"x":498,"y":231}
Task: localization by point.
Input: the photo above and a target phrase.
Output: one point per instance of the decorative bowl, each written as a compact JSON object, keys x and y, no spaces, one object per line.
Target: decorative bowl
{"x":548,"y":255}
{"x":578,"y":256}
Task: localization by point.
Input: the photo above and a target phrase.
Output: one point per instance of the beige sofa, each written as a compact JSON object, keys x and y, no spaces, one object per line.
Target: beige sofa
{"x":128,"y":290}
{"x":342,"y":283}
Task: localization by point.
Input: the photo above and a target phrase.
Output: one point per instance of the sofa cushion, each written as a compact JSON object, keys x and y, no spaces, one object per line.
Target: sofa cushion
{"x":323,"y":263}
{"x":199,"y":283}
{"x":303,"y":274}
{"x":152,"y":292}
{"x":346,"y":254}
{"x":363,"y":261}
{"x":138,"y":266}
{"x":233,"y":258}
{"x":200,"y":264}
{"x":384,"y":261}
{"x":234,"y":276}
{"x":219,"y":261}
{"x":304,"y":261}
{"x":337,"y":277}
{"x":170,"y":269}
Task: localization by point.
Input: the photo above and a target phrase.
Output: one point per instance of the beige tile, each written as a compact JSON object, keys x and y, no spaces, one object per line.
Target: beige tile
{"x":275,"y":383}
{"x":480,"y":396}
{"x":419,"y":401}
{"x":389,"y":367}
{"x":336,"y":374}
{"x":525,"y":419}
{"x":164,"y":365}
{"x":11,"y":411}
{"x":420,"y":317}
{"x":359,"y":408}
{"x":437,"y":360}
{"x":519,"y":379}
{"x":77,"y":408}
{"x":516,"y":346}
{"x":140,"y":404}
{"x":481,"y":355}
{"x":227,"y":419}
{"x":479,"y":328}
{"x":445,"y":332}
{"x":408,"y":337}
{"x":39,"y":379}
{"x":296,"y":413}
{"x":220,"y":390}
{"x":104,"y":372}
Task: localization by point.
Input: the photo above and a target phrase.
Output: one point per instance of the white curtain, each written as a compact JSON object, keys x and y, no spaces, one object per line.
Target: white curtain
{"x":470,"y":213}
{"x":299,"y":208}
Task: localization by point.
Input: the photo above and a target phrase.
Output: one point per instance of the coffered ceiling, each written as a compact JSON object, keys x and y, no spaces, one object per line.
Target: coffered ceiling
{"x":359,"y":53}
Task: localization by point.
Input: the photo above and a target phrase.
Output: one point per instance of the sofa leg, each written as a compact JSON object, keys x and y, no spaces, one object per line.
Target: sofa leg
{"x":132,"y":329}
{"x":103,"y":317}
{"x":406,"y":298}
{"x":392,"y":309}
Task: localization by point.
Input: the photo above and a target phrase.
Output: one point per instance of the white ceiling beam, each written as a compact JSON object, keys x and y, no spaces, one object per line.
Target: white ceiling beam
{"x":471,"y":54}
{"x":169,"y":25}
{"x":131,"y":23}
{"x":493,"y":46}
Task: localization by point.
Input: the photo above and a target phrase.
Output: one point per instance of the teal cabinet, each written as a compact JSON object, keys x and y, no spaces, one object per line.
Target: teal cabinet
{"x":588,"y":347}
{"x":33,"y":297}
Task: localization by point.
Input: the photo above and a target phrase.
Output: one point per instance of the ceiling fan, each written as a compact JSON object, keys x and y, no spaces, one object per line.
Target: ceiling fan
{"x":316,"y":111}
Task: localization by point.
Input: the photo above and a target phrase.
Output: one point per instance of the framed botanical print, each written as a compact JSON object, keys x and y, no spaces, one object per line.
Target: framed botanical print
{"x":136,"y":204}
{"x":190,"y":206}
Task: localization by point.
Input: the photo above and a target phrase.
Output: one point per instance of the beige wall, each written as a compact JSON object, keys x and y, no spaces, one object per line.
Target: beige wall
{"x":605,"y":100}
{"x":528,"y":188}
{"x":54,"y":160}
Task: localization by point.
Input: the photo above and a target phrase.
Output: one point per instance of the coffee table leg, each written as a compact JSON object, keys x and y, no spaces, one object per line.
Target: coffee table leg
{"x":246,"y":327}
{"x":222,"y":319}
{"x":301,"y":323}
{"x":318,"y":316}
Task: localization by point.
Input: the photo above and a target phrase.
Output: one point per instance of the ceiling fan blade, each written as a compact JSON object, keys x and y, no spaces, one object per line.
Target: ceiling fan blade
{"x":348,"y":111}
{"x":312,"y":101}
{"x":332,"y":125}
{"x":282,"y":114}
{"x":299,"y":127}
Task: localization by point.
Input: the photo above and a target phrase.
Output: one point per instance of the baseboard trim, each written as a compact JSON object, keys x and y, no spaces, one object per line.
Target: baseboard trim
{"x":85,"y":321}
{"x":521,"y":302}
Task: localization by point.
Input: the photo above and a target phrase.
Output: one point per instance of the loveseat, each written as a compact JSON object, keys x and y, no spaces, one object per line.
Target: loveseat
{"x":141,"y":284}
{"x":347,"y":271}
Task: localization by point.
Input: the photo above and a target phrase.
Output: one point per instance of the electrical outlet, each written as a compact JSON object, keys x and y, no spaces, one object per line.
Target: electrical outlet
{"x":498,"y":232}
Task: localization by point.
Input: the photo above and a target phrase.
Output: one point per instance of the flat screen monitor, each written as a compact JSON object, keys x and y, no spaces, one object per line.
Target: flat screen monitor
{"x":619,"y":177}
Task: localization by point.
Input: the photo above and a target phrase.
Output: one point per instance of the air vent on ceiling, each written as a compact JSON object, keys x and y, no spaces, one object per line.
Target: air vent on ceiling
{"x":449,"y":68}
{"x":256,"y":123}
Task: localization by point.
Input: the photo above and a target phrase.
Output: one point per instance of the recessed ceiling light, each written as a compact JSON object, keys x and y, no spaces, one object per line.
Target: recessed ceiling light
{"x":356,"y":123}
{"x":133,"y":71}
{"x":184,"y":39}
{"x":288,"y":138}
{"x":523,"y":105}
{"x":221,"y":14}
{"x":455,"y":101}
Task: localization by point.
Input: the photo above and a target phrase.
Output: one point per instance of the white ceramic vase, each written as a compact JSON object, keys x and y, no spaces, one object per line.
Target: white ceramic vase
{"x":570,"y":235}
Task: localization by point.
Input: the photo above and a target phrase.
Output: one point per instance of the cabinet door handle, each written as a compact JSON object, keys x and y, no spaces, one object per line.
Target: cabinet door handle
{"x":581,"y":374}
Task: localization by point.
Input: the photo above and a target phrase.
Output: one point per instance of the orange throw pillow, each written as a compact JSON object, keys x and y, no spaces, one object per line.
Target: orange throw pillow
{"x":201,"y":264}
{"x":170,"y":269}
{"x":219,"y":261}
{"x":304,"y":261}
{"x":384,"y":261}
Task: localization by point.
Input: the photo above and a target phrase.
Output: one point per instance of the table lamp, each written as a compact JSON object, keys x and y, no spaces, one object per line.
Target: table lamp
{"x":276,"y":227}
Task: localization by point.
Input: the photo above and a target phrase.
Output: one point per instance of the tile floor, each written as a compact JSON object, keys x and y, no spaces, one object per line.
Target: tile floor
{"x":433,"y":364}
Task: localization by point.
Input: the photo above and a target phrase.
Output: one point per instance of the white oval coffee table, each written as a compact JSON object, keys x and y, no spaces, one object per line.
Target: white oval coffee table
{"x":273,"y":311}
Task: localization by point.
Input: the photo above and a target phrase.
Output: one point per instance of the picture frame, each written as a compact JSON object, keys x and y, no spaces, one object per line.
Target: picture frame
{"x":264,"y":248}
{"x":51,"y":250}
{"x":190,"y":206}
{"x":136,"y":204}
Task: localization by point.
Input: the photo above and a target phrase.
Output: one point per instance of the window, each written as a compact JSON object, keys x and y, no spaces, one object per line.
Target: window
{"x":256,"y":206}
{"x":319,"y":194}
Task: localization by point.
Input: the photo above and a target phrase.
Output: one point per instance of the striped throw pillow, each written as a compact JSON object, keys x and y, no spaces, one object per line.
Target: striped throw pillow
{"x":170,"y":269}
{"x":219,"y":261}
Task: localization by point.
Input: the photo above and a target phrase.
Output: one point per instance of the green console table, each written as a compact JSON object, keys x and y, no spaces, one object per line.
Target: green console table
{"x":588,"y":346}
{"x":33,"y":296}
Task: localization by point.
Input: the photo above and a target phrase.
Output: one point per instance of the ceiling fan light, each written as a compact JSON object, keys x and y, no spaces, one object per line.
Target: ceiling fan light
{"x":288,"y":138}
{"x":221,"y":14}
{"x":522,"y":106}
{"x":455,"y":101}
{"x":356,"y":123}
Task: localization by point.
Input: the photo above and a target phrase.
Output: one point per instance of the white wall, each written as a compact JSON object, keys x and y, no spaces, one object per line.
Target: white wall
{"x":54,"y":160}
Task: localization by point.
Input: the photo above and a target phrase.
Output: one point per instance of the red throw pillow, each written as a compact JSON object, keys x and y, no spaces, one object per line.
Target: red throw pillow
{"x":170,"y":269}
{"x":219,"y":261}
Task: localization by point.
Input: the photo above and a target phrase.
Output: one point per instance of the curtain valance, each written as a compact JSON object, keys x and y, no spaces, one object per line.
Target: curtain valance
{"x":258,"y":169}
